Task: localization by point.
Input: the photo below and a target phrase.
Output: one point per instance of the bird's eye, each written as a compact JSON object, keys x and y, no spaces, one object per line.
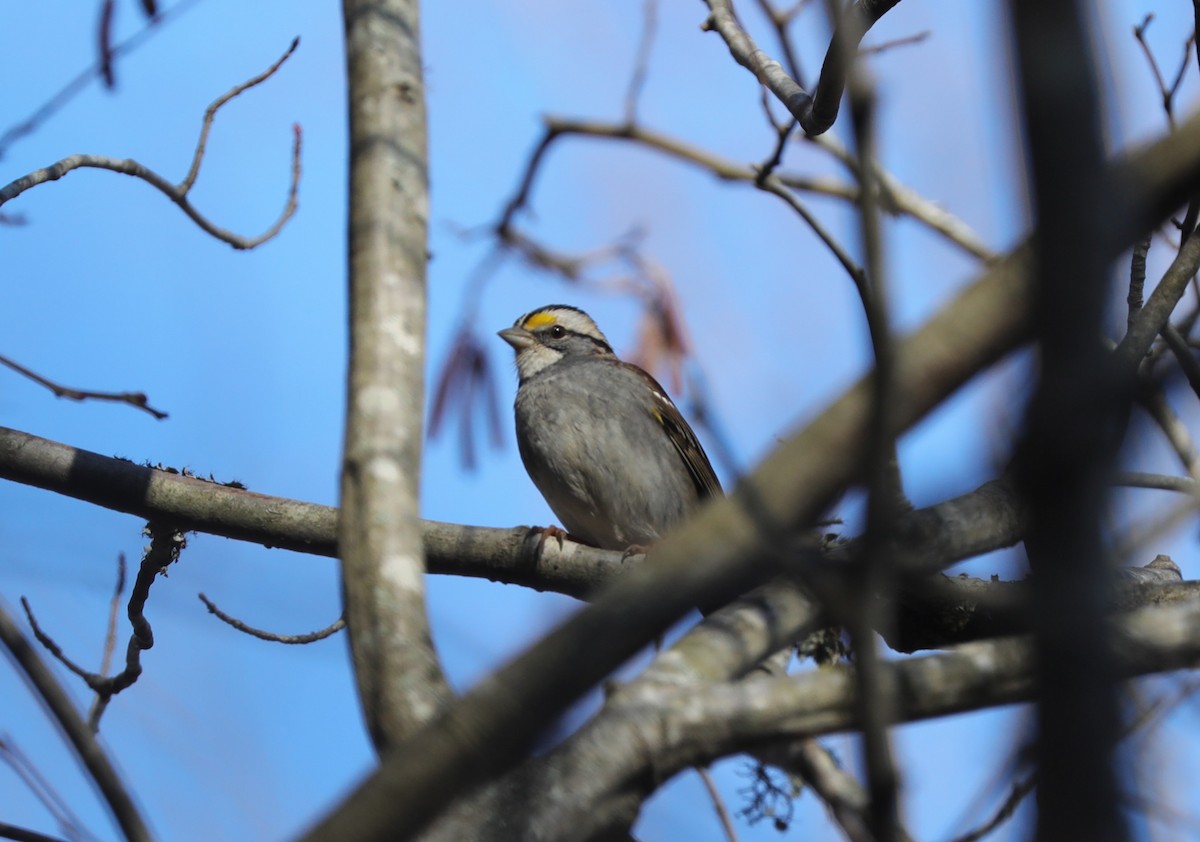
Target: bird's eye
{"x":558,"y":332}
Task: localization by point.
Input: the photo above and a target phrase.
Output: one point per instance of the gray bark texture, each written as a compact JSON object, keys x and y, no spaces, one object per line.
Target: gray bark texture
{"x":400,"y":682}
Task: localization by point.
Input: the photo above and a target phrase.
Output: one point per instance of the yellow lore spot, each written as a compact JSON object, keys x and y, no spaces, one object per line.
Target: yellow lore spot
{"x":540,"y":320}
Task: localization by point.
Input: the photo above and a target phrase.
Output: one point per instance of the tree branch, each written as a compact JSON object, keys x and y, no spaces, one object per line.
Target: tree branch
{"x":400,"y":681}
{"x":75,"y":730}
{"x":712,"y":552}
{"x":816,"y":112}
{"x":515,"y":556}
{"x":176,"y":193}
{"x":896,"y":198}
{"x":969,"y":677}
{"x":731,"y":545}
{"x":138,"y":400}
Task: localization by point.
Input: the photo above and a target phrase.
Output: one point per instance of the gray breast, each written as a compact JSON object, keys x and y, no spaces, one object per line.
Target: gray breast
{"x":598,"y":456}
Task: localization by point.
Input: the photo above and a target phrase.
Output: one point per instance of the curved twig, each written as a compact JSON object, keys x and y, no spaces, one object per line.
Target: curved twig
{"x":215,"y":106}
{"x":68,"y":91}
{"x":896,"y":197}
{"x":815,"y":112}
{"x":87,"y":749}
{"x":718,"y":803}
{"x":176,"y":193}
{"x":1137,"y":479}
{"x":163,"y":550}
{"x":334,"y":627}
{"x":138,"y":400}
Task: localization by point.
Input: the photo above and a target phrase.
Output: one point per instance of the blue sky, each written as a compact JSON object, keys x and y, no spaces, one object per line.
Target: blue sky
{"x":109,"y":286}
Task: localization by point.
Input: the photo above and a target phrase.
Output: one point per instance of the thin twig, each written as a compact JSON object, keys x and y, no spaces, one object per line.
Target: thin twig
{"x":215,"y":106}
{"x":176,"y":193}
{"x":1152,"y":398}
{"x":896,"y":197}
{"x":856,"y":272}
{"x":1183,"y":356}
{"x":80,"y":737}
{"x":110,"y":635}
{"x":845,"y":799}
{"x":42,"y":790}
{"x":80,"y":81}
{"x":137,"y":400}
{"x":817,"y":112}
{"x":1165,"y":90}
{"x":772,"y":163}
{"x":641,"y":64}
{"x":104,"y":32}
{"x":1016,"y":795}
{"x":321,"y":634}
{"x":100,"y":703}
{"x":51,"y":645}
{"x":906,"y":41}
{"x":885,"y":492}
{"x":166,"y":542}
{"x":1138,"y":479}
{"x":780,"y":19}
{"x":718,"y":803}
{"x":21,"y":834}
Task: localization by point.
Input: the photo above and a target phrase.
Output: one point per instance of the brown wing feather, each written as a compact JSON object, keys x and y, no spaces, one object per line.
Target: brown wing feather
{"x":685,"y":441}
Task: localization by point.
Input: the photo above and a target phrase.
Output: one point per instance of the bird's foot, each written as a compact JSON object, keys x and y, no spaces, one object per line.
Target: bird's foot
{"x":554,"y":532}
{"x":632,"y":550}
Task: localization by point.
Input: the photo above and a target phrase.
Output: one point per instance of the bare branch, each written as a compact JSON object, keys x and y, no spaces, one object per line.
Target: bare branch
{"x":641,"y":65}
{"x":211,"y":112}
{"x":816,"y":112}
{"x":165,"y":545}
{"x":1153,"y":399}
{"x":68,"y":92}
{"x":110,"y":633}
{"x":906,"y":41}
{"x":400,"y":681}
{"x":714,"y":795}
{"x":787,"y":491}
{"x":42,"y":789}
{"x":780,"y":20}
{"x":104,"y":33}
{"x":1020,"y":789}
{"x":80,"y":737}
{"x":885,"y":492}
{"x":1165,"y":90}
{"x":974,"y":675}
{"x":515,"y":555}
{"x":134,"y":399}
{"x":690,"y":567}
{"x":21,"y":834}
{"x":679,"y":718}
{"x":176,"y":193}
{"x":844,"y":797}
{"x":897,"y":198}
{"x":857,"y":274}
{"x":51,"y":645}
{"x":1136,"y":479}
{"x":768,"y":167}
{"x":336,"y":626}
{"x":1153,"y":317}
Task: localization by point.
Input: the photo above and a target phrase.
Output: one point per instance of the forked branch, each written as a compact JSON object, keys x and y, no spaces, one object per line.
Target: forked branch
{"x":177,"y":193}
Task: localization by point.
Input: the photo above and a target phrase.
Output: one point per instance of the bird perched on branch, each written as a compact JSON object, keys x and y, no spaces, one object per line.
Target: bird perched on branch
{"x":600,"y":438}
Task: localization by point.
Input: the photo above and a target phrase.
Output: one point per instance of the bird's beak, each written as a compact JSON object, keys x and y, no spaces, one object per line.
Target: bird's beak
{"x":518,"y":337}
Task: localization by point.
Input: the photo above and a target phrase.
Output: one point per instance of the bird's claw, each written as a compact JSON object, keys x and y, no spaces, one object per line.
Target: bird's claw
{"x":632,"y":550}
{"x":551,"y":532}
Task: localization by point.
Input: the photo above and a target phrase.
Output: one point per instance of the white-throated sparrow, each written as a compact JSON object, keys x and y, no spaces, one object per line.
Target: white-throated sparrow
{"x":599,"y":437}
